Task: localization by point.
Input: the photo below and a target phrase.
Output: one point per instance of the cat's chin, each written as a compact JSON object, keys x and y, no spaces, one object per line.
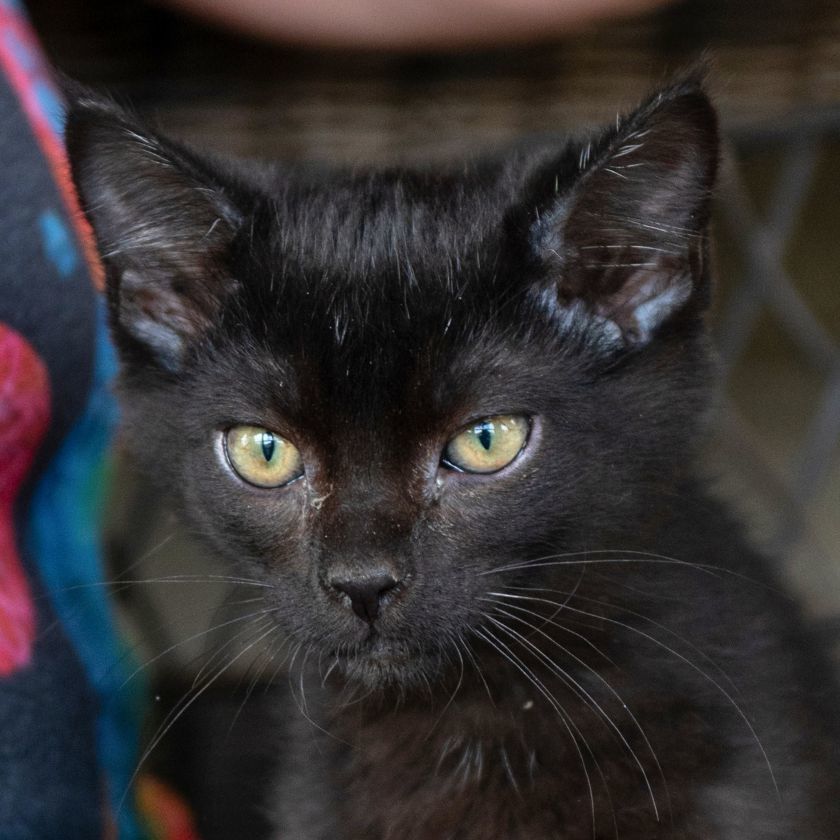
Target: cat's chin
{"x":384,"y":664}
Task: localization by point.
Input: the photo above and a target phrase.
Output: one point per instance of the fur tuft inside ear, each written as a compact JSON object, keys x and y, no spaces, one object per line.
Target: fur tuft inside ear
{"x":627,"y":242}
{"x":163,"y":223}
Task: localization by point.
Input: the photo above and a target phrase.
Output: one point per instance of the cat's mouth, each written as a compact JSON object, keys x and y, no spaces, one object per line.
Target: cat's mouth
{"x":384,"y":650}
{"x":376,"y":648}
{"x":380,"y":662}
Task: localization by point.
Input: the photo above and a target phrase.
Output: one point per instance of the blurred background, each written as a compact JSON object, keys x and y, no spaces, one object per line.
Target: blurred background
{"x":776,"y":79}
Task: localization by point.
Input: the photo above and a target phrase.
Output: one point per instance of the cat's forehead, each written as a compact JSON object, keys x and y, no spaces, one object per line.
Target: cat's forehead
{"x":409,"y":224}
{"x":393,"y":289}
{"x":371,"y":272}
{"x":371,"y":265}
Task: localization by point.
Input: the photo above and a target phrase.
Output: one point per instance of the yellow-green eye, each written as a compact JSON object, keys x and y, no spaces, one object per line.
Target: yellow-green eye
{"x":261,"y":457}
{"x":488,"y":444}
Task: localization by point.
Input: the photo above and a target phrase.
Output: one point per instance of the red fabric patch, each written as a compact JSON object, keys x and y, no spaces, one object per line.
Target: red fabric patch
{"x":169,"y":817}
{"x":24,"y":416}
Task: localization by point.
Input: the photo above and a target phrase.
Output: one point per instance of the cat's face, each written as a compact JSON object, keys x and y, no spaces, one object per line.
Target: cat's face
{"x":378,"y":390}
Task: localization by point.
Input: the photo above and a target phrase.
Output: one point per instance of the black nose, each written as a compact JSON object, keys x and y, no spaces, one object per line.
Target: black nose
{"x":365,"y":593}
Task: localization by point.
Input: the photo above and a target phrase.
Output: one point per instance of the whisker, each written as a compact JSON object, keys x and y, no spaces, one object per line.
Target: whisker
{"x":508,"y":769}
{"x":355,"y":697}
{"x":550,"y":560}
{"x":148,"y":555}
{"x":333,"y":665}
{"x":280,"y":665}
{"x":696,"y":668}
{"x":451,"y":697}
{"x":301,"y":704}
{"x":267,"y":660}
{"x":471,"y":656}
{"x":637,"y":557}
{"x":613,"y":692}
{"x":192,"y":638}
{"x":580,"y":636}
{"x":511,"y":657}
{"x":589,"y":700}
{"x":302,"y":669}
{"x":218,"y":653}
{"x":175,"y":714}
{"x":665,"y":629}
{"x":120,"y":585}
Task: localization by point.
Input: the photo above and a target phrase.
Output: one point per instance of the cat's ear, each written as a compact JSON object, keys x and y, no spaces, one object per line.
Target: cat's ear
{"x":163,"y":222}
{"x":625,"y":246}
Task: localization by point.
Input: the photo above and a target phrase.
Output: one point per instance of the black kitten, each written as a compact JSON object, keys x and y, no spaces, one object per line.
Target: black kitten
{"x":451,"y":420}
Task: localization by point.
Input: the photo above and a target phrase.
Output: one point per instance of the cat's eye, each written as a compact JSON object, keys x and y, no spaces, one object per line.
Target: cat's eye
{"x":261,"y":457}
{"x":488,"y":445}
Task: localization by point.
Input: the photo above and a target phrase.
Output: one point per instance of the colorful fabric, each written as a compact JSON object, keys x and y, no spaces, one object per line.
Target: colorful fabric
{"x":68,"y":726}
{"x":168,"y":817}
{"x":24,"y":414}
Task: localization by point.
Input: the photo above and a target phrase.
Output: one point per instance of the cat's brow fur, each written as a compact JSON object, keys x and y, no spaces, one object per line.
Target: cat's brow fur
{"x":581,"y":645}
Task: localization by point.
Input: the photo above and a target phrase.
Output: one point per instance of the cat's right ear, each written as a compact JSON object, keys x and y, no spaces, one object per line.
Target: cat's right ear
{"x":163,"y":222}
{"x":619,"y":229}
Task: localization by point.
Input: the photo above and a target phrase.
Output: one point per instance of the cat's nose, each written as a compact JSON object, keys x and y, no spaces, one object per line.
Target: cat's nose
{"x":365,"y":593}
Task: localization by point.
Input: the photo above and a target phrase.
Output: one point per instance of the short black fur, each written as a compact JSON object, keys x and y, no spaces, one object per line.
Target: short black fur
{"x":579,"y":645}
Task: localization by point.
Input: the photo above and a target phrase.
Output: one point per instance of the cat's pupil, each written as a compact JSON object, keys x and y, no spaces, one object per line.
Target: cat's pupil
{"x":268,"y":443}
{"x":485,"y":436}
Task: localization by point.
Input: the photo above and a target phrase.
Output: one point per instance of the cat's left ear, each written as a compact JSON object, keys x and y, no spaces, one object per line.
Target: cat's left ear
{"x":163,"y":219}
{"x":625,"y":247}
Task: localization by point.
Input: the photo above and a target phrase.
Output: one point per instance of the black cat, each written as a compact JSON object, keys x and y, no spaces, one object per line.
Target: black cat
{"x":450,"y":420}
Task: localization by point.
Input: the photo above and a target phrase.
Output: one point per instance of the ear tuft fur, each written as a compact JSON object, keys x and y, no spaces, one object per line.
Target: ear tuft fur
{"x":163,"y":221}
{"x":628,"y":241}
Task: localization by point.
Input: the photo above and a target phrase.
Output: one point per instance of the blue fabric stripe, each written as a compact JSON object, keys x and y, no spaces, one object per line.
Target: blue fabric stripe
{"x":63,"y":537}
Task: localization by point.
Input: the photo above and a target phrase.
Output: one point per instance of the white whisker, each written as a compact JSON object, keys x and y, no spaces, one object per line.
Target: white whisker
{"x":172,"y":718}
{"x":511,"y":657}
{"x":588,"y":699}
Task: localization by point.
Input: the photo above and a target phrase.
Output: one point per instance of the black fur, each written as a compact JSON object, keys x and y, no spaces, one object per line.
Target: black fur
{"x":665,"y":687}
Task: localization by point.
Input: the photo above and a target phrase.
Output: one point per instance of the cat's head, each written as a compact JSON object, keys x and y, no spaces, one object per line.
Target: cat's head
{"x":376,"y":389}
